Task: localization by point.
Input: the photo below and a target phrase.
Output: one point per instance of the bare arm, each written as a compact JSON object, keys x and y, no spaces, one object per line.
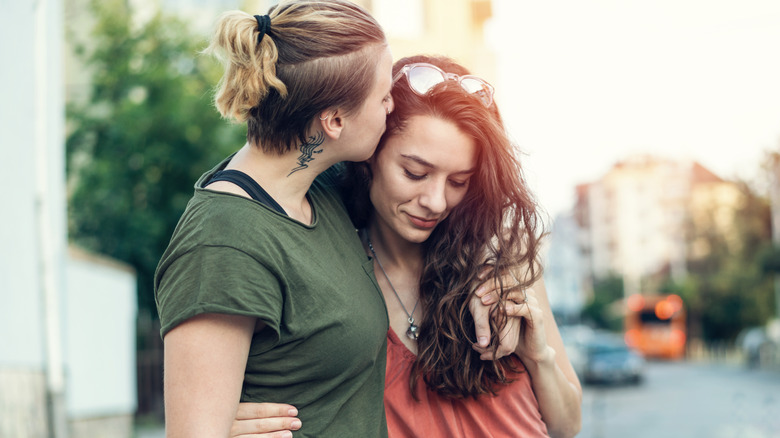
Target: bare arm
{"x":553,"y":379}
{"x":538,"y":344}
{"x":204,"y":361}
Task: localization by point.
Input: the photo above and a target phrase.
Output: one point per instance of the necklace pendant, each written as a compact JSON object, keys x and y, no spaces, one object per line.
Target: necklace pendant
{"x":411,"y":333}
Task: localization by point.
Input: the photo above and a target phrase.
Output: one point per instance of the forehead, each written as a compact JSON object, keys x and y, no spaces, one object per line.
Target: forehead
{"x":436,"y":141}
{"x":384,"y":71}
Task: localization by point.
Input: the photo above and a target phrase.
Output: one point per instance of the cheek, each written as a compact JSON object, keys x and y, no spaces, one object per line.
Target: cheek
{"x":395,"y":191}
{"x":454,"y":199}
{"x":373,"y":190}
{"x":381,"y":190}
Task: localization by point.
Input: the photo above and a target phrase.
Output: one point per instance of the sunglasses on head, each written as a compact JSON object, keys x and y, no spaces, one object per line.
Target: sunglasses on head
{"x":423,"y":76}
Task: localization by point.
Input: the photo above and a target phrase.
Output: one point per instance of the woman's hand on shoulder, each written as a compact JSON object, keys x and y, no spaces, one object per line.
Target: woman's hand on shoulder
{"x":265,"y":420}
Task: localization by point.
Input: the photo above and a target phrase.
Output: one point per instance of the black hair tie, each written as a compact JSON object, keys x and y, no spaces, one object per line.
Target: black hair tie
{"x":263,"y":26}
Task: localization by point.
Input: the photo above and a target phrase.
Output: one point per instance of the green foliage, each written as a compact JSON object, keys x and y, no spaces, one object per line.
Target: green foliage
{"x":145,"y":135}
{"x":602,"y":309}
{"x":770,"y":260}
{"x":727,"y":289}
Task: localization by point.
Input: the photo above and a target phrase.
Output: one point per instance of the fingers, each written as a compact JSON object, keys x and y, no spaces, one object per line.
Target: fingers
{"x":265,"y":410}
{"x":522,"y":303}
{"x":489,"y":291}
{"x":489,"y":297}
{"x":276,"y":427}
{"x":265,"y":420}
{"x":481,"y":315}
{"x":486,"y":286}
{"x":508,"y":339}
{"x":485,"y":354}
{"x":265,"y":428}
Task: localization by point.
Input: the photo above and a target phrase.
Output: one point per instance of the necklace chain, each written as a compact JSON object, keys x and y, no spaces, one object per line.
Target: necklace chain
{"x":412,"y":331}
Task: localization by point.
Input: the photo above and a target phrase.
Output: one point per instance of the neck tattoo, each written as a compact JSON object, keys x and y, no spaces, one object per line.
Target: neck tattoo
{"x":308,"y":151}
{"x":412,"y":332}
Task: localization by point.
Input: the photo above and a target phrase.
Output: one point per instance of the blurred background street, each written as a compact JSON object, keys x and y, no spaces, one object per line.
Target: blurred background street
{"x":686,"y":399}
{"x":650,"y":132}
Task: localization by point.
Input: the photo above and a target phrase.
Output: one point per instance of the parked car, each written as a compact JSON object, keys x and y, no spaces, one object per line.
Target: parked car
{"x":752,"y":341}
{"x":575,"y":339}
{"x":761,"y":345}
{"x":609,"y":360}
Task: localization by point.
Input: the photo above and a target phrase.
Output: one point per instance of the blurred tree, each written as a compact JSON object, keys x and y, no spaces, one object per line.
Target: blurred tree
{"x":771,"y":256}
{"x":770,"y":260}
{"x":146,"y":133}
{"x":603,"y":309}
{"x":727,"y":289}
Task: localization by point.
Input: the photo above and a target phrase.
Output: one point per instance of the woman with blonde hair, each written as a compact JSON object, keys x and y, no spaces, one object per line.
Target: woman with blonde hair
{"x":263,"y":292}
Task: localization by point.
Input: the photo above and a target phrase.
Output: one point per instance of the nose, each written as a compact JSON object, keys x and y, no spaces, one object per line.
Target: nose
{"x":433,"y":197}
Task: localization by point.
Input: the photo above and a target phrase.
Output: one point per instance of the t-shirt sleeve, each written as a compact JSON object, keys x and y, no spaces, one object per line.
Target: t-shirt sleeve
{"x":219,"y":279}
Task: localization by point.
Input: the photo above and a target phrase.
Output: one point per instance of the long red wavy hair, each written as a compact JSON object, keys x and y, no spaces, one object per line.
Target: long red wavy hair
{"x":496,"y":227}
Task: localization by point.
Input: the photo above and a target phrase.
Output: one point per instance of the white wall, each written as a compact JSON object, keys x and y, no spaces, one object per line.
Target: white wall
{"x":21,"y":318}
{"x":100,"y":337}
{"x":32,"y":215}
{"x":37,"y":312}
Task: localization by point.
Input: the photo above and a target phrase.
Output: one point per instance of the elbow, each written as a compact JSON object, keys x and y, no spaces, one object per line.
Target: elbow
{"x":569,"y":431}
{"x":568,"y":426}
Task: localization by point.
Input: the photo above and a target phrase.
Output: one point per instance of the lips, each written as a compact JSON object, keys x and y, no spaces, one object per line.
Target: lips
{"x":422,"y":223}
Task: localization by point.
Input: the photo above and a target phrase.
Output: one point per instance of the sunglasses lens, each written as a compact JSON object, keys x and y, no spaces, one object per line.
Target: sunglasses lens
{"x":478,"y":88}
{"x":422,"y":78}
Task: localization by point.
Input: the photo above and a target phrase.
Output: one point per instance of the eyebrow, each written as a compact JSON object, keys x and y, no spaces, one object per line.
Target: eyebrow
{"x":430,"y":165}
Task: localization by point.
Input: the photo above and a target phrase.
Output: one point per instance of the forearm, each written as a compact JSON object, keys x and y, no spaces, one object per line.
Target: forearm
{"x":560,"y":400}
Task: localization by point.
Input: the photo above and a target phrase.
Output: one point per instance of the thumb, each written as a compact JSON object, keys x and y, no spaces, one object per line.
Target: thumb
{"x":481,"y":315}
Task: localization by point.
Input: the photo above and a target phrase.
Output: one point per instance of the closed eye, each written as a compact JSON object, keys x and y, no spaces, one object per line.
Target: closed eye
{"x":459,"y":183}
{"x":413,"y":176}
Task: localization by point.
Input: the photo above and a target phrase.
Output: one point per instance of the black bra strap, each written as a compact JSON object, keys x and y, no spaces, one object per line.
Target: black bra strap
{"x":249,"y":185}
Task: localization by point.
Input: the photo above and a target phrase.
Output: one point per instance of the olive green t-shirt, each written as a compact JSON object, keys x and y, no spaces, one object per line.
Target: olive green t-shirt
{"x":323,"y":347}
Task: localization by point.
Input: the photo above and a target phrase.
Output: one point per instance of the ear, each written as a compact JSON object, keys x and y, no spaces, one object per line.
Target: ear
{"x":332,"y":123}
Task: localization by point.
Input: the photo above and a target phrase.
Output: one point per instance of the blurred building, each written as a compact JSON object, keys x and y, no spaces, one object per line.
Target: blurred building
{"x":563,"y":272}
{"x":455,"y":28}
{"x":634,"y":221}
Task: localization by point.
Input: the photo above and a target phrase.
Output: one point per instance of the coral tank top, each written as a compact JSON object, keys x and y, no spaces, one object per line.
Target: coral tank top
{"x":512,"y":413}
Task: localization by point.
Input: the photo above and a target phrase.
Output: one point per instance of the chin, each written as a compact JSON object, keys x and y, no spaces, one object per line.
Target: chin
{"x":418,"y":236}
{"x":366,"y":155}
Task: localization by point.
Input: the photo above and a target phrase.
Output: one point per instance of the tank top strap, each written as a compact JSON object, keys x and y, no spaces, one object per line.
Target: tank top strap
{"x":249,"y":185}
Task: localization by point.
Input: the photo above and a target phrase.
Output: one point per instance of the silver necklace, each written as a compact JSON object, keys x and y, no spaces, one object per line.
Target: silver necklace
{"x":412,"y":331}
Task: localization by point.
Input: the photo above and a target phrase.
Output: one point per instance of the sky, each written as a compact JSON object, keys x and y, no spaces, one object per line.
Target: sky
{"x":583,"y":84}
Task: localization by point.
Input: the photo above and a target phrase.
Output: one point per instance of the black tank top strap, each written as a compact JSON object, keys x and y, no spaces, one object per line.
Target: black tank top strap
{"x":250,"y":186}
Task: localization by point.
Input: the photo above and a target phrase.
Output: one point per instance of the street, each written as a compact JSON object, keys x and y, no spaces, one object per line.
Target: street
{"x":686,"y":400}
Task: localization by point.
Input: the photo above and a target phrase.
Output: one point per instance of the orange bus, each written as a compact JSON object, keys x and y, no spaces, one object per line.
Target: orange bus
{"x":655,"y":325}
